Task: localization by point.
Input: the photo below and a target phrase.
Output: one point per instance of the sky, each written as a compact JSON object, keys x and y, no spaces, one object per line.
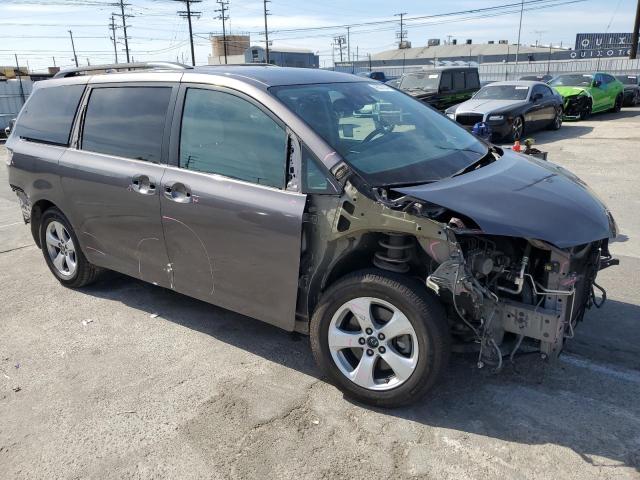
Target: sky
{"x":37,"y":30}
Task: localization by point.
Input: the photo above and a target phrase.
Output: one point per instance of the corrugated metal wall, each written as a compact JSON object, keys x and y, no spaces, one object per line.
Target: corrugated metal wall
{"x":11,"y":99}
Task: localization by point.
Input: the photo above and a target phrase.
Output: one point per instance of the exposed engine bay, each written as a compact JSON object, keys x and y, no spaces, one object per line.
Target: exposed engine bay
{"x":501,"y":293}
{"x":575,"y":105}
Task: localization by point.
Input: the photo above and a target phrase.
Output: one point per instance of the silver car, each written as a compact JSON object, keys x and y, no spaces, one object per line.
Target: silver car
{"x":319,"y":202}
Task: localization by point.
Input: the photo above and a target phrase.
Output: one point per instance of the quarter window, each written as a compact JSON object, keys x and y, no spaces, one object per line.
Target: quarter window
{"x":48,"y":115}
{"x":473,"y":82}
{"x":224,"y":134}
{"x":127,"y":122}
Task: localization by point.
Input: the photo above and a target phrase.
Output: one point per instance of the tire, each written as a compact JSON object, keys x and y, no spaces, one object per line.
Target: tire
{"x":517,"y":129}
{"x":636,"y":99}
{"x":586,"y":112}
{"x":617,"y":104}
{"x":58,"y":240}
{"x":556,"y":123}
{"x":427,"y":348}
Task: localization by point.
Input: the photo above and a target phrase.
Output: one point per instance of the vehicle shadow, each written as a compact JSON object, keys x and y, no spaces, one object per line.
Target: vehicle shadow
{"x":568,"y":130}
{"x":577,"y":403}
{"x":626,"y":112}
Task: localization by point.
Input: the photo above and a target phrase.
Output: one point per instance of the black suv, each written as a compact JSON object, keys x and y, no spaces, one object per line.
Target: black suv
{"x":442,"y":87}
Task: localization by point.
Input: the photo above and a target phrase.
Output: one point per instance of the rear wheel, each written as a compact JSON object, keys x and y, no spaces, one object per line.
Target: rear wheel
{"x":62,"y":252}
{"x":381,"y":338}
{"x":556,"y":124}
{"x":617,"y":104}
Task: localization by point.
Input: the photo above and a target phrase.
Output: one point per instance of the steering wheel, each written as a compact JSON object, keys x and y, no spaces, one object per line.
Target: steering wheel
{"x":381,"y":130}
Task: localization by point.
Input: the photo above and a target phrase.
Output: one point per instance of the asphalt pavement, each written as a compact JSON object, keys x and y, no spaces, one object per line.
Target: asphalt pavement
{"x":126,"y":380}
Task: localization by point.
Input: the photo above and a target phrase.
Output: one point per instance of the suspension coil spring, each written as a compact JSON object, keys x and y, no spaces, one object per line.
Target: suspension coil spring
{"x":396,"y":254}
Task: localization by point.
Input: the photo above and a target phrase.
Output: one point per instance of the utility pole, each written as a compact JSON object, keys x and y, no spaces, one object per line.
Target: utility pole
{"x":634,"y":36}
{"x":369,"y":55}
{"x":112,"y":27}
{"x":266,"y":32}
{"x":124,"y":17}
{"x":340,"y":41}
{"x":519,"y":31}
{"x":333,"y":54}
{"x":224,"y":7}
{"x":402,"y":34}
{"x":73,"y":47}
{"x":348,"y":44}
{"x":19,"y":75}
{"x":188,"y":14}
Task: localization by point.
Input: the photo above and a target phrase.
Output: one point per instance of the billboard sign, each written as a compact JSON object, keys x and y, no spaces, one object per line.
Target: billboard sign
{"x":594,"y":45}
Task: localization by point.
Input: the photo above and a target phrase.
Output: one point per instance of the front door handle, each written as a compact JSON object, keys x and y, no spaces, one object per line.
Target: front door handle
{"x":178,"y":192}
{"x":143,"y":185}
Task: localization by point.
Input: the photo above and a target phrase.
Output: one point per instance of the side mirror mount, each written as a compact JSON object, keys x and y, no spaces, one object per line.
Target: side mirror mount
{"x":597,"y":83}
{"x":536,"y":97}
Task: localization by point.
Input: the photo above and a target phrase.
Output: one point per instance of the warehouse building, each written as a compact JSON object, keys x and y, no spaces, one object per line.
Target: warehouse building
{"x":239,"y":50}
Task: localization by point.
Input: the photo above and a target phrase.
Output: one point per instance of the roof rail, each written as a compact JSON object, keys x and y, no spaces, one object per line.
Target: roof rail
{"x":114,"y":67}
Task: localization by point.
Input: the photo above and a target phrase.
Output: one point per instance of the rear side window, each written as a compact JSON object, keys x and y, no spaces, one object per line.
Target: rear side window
{"x":126,"y":122}
{"x":229,"y":136}
{"x":48,"y":115}
{"x":458,"y":80}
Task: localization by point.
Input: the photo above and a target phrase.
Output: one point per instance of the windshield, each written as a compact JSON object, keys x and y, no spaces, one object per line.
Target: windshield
{"x":388,"y":137}
{"x":573,"y":80}
{"x":503,"y":92}
{"x":628,"y":79}
{"x":420,"y":81}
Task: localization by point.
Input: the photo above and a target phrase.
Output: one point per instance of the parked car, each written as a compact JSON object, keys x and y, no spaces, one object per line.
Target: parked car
{"x":379,"y":76}
{"x":587,"y":93}
{"x":545,"y":78}
{"x":8,"y":128}
{"x":442,"y":87}
{"x":511,"y":109}
{"x":631,"y":84}
{"x":395,"y":83}
{"x":279,"y":193}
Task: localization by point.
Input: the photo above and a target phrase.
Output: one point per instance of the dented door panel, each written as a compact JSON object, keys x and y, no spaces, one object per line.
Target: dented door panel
{"x":235,"y":244}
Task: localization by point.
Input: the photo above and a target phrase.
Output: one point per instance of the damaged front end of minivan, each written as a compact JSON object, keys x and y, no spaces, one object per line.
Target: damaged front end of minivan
{"x":512,"y":250}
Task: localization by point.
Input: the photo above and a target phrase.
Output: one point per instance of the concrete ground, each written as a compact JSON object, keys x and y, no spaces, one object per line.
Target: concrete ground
{"x":94,"y":385}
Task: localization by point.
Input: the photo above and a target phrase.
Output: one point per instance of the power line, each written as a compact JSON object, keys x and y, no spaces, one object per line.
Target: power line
{"x":188,"y":14}
{"x":224,"y":7}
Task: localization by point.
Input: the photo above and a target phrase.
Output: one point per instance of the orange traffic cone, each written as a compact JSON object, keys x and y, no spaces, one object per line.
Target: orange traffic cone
{"x":516,"y":146}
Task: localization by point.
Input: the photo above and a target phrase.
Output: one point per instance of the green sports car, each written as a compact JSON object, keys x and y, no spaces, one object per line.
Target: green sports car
{"x":587,"y":93}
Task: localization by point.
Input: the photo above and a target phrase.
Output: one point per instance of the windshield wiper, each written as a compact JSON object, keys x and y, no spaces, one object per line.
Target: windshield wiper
{"x":486,"y":159}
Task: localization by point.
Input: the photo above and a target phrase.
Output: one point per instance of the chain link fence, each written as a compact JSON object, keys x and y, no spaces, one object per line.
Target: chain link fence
{"x":510,"y":70}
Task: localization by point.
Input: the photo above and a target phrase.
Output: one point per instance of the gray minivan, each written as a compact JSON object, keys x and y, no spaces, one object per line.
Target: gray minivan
{"x":319,"y":202}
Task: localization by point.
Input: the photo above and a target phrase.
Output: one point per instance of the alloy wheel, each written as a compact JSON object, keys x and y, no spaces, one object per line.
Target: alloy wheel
{"x":516,"y":128}
{"x":373,"y":343}
{"x":61,"y":249}
{"x":558,"y":120}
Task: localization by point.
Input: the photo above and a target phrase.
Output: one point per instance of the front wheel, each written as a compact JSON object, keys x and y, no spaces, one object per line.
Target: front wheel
{"x":585,"y":113}
{"x":381,"y":338}
{"x":517,"y":129}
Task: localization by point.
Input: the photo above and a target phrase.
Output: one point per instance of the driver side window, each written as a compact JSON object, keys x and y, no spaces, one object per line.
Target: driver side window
{"x":227,"y":135}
